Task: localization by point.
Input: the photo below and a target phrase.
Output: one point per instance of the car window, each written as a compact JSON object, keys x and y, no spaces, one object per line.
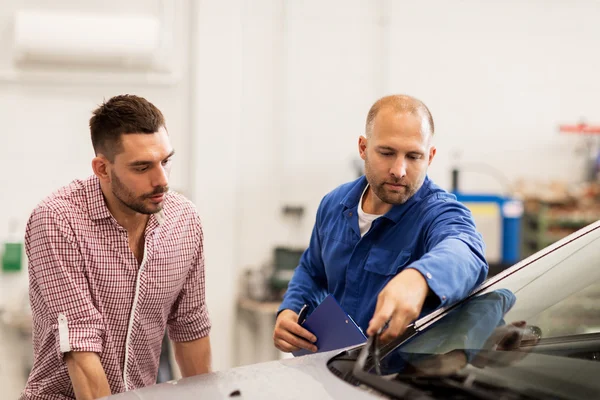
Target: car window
{"x":576,"y":314}
{"x":561,"y":293}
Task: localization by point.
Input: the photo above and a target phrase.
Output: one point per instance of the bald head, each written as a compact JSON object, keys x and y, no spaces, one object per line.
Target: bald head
{"x":401,"y":104}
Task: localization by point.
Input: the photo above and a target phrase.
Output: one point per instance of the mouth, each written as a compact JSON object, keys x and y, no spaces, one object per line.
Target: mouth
{"x":395,"y":186}
{"x":157,"y":198}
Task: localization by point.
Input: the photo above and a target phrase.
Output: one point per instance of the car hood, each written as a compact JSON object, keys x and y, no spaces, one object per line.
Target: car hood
{"x":305,"y":377}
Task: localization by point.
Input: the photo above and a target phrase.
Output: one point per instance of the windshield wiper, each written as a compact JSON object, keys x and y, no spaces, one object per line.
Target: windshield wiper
{"x":375,"y":381}
{"x":408,"y":387}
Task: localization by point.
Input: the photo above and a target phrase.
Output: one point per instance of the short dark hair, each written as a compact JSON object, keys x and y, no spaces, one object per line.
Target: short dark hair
{"x":121,"y":115}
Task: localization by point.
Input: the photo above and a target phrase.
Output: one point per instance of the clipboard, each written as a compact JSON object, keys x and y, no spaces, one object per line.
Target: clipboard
{"x":333,"y":328}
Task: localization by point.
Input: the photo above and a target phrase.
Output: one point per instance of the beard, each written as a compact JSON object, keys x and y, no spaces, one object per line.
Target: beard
{"x":133,"y":202}
{"x":389,"y":194}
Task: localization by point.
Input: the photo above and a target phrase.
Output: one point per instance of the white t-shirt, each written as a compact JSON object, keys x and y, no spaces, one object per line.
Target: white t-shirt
{"x":365,"y":220}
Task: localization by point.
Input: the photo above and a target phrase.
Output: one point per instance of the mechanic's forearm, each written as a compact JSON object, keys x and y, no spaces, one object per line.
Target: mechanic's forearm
{"x":87,"y":375}
{"x":452,"y":269}
{"x":193,"y":357}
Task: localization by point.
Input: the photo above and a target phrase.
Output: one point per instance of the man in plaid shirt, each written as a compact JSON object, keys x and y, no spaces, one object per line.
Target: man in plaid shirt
{"x":114,"y":260}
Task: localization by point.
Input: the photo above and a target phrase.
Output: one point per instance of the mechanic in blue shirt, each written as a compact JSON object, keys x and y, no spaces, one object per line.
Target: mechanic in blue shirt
{"x":392,"y":245}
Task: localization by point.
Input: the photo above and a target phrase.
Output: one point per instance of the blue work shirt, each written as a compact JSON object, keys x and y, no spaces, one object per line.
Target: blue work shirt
{"x":432,"y":232}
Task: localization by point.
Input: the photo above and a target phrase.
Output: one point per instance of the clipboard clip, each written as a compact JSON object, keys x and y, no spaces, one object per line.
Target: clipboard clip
{"x":302,"y":315}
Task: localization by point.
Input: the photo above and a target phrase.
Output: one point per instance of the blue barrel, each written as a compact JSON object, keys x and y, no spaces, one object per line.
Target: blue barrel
{"x":511,"y":214}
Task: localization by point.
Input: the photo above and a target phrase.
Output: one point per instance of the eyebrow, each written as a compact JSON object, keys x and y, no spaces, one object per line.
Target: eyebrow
{"x":388,"y":148}
{"x":144,"y":162}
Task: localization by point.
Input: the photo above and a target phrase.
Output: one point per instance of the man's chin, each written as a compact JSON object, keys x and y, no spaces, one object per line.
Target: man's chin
{"x":154,"y":209}
{"x":395,"y":198}
{"x":147,"y":209}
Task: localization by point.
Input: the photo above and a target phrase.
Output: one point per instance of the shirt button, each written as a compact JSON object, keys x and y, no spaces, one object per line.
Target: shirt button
{"x":443,"y":297}
{"x":428,"y":275}
{"x":350,"y":213}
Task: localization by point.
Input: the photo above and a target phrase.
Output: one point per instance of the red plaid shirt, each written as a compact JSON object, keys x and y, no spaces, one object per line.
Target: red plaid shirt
{"x":88,"y":292}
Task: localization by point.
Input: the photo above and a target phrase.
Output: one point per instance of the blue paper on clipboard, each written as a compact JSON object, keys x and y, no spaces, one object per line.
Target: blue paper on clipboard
{"x":333,"y":328}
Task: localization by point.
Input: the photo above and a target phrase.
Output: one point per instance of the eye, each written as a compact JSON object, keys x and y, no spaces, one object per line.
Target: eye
{"x":166,"y":162}
{"x":414,"y":156}
{"x":141,"y":169}
{"x":386,"y":153}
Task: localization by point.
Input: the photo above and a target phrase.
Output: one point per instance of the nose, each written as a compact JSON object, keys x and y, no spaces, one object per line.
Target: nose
{"x":398,"y":170}
{"x":161,"y":177}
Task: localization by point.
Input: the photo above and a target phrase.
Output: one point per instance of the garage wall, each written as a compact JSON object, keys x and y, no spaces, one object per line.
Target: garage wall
{"x":499,"y":78}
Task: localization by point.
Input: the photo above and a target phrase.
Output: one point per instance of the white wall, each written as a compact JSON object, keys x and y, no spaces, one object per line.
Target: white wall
{"x":499,"y":78}
{"x":333,"y":67}
{"x":216,"y":110}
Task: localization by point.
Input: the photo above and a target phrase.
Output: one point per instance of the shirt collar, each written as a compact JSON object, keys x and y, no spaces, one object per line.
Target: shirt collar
{"x":352,"y":199}
{"x":353,"y":196}
{"x":95,"y":199}
{"x":97,"y":205}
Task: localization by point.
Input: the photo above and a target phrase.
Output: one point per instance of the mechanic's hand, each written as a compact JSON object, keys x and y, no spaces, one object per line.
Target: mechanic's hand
{"x":289,"y":336}
{"x":400,"y":302}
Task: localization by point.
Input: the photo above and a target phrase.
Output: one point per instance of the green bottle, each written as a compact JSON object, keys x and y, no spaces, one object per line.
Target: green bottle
{"x":12,"y":254}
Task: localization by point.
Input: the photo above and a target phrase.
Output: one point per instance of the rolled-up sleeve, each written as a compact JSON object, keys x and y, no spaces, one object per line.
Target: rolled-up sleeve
{"x":454,"y":262}
{"x":59,"y":291}
{"x":189,"y":319}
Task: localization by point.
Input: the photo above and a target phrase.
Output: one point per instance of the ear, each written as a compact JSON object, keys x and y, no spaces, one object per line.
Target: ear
{"x":362,"y":146}
{"x":100,"y":166}
{"x":432,"y":152}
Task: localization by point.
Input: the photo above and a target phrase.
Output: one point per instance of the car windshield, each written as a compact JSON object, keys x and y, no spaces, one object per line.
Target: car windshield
{"x":535,"y":331}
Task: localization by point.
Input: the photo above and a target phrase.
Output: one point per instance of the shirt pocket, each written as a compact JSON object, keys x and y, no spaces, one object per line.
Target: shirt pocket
{"x":387,"y":262}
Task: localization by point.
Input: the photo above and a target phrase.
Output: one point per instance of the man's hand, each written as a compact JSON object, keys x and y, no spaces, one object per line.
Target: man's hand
{"x":289,"y":336}
{"x":400,"y":302}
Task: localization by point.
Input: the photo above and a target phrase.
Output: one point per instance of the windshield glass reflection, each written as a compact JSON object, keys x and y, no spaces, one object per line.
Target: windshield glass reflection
{"x":466,"y":336}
